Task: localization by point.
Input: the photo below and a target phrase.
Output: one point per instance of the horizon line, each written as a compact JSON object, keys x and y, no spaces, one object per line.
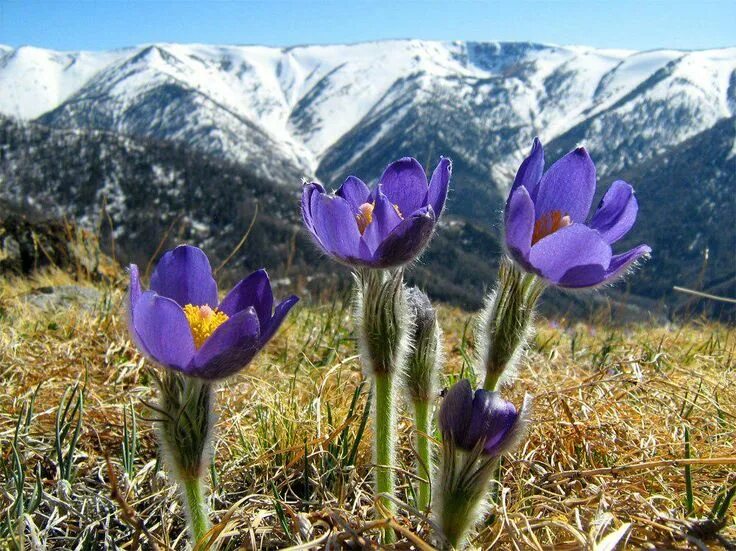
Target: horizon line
{"x":361,"y":42}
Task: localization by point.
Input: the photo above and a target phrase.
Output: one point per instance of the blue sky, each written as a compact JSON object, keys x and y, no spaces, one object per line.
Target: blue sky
{"x":105,"y":24}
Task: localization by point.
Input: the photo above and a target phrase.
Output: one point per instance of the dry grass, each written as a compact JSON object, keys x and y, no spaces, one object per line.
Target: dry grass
{"x":605,"y":461}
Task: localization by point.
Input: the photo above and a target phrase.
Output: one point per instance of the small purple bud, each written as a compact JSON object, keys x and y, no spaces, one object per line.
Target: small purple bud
{"x":482,"y":419}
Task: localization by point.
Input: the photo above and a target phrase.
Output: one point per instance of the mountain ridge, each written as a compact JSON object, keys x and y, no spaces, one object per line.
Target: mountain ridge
{"x":299,"y":64}
{"x":324,"y":112}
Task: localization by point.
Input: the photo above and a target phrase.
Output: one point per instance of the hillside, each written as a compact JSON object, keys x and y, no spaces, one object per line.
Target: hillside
{"x":156,"y":194}
{"x":326,"y":110}
{"x":687,"y":204}
{"x":606,"y":459}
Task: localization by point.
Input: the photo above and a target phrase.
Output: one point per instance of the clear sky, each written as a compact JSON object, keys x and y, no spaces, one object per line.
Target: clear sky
{"x":105,"y":24}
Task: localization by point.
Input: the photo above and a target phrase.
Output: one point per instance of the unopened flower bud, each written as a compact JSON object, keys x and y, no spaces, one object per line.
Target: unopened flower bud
{"x":477,"y":428}
{"x":482,"y":420}
{"x":425,"y":357}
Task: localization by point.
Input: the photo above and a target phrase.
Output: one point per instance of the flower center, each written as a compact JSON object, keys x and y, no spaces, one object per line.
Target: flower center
{"x":365,"y":215}
{"x":549,"y":223}
{"x":203,"y":321}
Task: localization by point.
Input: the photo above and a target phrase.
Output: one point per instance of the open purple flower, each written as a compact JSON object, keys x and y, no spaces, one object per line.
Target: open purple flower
{"x":383,"y":228}
{"x":482,"y":419}
{"x":180,"y":323}
{"x":546,"y":228}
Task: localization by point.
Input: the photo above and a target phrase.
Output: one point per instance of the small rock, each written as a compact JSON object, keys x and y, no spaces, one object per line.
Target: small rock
{"x":63,"y":296}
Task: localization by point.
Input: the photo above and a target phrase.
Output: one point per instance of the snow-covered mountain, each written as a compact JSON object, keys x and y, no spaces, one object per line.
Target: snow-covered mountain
{"x":328,"y":110}
{"x":192,"y":135}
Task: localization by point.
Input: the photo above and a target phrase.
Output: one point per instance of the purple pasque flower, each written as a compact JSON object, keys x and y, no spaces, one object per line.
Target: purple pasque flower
{"x":547,"y":228}
{"x":481,"y":419}
{"x":181,"y":324}
{"x":383,"y":228}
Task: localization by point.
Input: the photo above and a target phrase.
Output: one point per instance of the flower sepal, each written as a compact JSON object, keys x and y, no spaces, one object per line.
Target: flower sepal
{"x":505,"y":323}
{"x":383,"y":319}
{"x":185,"y":422}
{"x":185,"y":427}
{"x":464,"y":481}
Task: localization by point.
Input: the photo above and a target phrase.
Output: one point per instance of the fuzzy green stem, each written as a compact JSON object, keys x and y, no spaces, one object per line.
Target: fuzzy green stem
{"x":463,"y":485}
{"x":424,"y":457}
{"x":491,"y":380}
{"x":197,"y":511}
{"x":384,"y":435}
{"x":509,"y":315}
{"x":185,"y":430}
{"x":457,"y":518}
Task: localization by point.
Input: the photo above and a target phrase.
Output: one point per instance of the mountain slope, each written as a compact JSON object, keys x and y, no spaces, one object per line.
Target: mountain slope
{"x":687,"y":205}
{"x":193,"y":126}
{"x":148,"y":191}
{"x":293,"y":112}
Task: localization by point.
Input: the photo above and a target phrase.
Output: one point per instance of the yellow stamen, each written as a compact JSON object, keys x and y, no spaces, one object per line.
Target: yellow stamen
{"x":549,"y":223}
{"x":364,"y":216}
{"x":203,"y":321}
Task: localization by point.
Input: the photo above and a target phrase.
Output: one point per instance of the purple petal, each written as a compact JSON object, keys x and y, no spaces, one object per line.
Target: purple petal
{"x":575,"y":245}
{"x":335,"y":226}
{"x":580,"y":277}
{"x":519,"y":224}
{"x":307,"y":192}
{"x":405,"y":184}
{"x":164,"y":331}
{"x":230,"y":348}
{"x":620,"y":263}
{"x":255,"y":291}
{"x":385,"y":219}
{"x":279,"y":314}
{"x":438,"y":186}
{"x":355,"y":192}
{"x":456,"y":410}
{"x":593,"y":275}
{"x":493,"y":418}
{"x":531,"y":169}
{"x":616,"y":212}
{"x":501,"y":427}
{"x":568,"y":187}
{"x":134,"y":294}
{"x":406,"y":242}
{"x":184,"y":275}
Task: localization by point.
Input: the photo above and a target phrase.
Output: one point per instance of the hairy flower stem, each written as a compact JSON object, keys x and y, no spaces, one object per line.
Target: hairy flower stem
{"x":384,"y":417}
{"x":422,"y":419}
{"x":382,"y":324}
{"x":457,"y":519}
{"x":506,"y":321}
{"x":463,"y":484}
{"x":197,"y":512}
{"x":185,"y":430}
